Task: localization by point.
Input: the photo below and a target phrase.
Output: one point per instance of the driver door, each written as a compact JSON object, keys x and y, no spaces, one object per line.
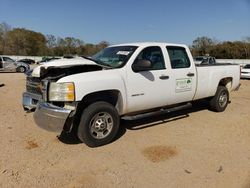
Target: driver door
{"x":9,"y":64}
{"x":148,"y":89}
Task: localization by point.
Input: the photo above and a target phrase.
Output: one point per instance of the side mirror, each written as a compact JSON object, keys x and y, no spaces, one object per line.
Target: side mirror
{"x":141,"y":65}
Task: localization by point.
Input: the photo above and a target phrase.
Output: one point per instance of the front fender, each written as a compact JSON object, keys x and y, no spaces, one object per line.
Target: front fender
{"x":90,"y":82}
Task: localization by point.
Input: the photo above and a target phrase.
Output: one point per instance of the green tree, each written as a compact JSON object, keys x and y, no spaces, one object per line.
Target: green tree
{"x":51,"y":44}
{"x":246,"y":42}
{"x":4,"y":29}
{"x":201,"y":45}
{"x":21,"y":41}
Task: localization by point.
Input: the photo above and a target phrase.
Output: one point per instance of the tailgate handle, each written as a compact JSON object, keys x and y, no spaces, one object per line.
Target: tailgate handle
{"x":164,"y":77}
{"x":190,"y":74}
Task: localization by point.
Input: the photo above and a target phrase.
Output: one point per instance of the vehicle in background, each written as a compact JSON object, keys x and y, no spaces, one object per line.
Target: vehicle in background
{"x":47,"y":59}
{"x":198,"y":59}
{"x":27,"y":61}
{"x":9,"y":65}
{"x":204,"y":60}
{"x":68,"y":56}
{"x":245,"y":71}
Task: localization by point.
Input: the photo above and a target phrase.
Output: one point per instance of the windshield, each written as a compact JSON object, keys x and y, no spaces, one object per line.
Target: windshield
{"x":114,"y":56}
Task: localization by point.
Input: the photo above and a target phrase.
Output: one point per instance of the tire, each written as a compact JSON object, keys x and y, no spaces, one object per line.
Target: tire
{"x":21,"y":69}
{"x":99,"y":124}
{"x":221,"y":99}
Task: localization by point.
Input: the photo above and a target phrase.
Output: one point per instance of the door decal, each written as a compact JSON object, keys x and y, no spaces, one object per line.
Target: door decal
{"x":183,"y":85}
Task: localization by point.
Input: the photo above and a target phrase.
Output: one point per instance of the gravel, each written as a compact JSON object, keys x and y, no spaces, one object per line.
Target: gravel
{"x":192,"y":148}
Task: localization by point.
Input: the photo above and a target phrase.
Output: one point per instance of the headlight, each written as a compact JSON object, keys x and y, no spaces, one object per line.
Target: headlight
{"x":62,"y":91}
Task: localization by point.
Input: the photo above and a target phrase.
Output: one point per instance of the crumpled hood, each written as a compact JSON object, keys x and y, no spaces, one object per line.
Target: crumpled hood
{"x":63,"y":63}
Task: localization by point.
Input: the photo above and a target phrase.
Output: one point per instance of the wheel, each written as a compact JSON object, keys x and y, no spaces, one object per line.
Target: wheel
{"x":219,"y":102}
{"x":99,"y":124}
{"x":21,"y":69}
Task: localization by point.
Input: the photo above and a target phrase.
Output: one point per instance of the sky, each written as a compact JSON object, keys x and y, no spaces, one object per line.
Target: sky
{"x":123,"y":21}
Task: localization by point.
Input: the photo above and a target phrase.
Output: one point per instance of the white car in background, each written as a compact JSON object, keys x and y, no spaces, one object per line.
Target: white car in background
{"x":9,"y":65}
{"x":245,"y":71}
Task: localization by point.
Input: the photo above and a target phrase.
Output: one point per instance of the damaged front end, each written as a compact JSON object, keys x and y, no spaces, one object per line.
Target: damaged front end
{"x":51,"y":115}
{"x":33,"y":93}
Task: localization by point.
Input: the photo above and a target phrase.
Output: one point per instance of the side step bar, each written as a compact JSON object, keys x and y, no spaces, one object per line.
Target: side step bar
{"x":159,"y":112}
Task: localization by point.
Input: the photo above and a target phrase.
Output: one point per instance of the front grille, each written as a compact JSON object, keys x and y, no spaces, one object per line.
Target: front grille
{"x":34,"y":85}
{"x":34,"y":90}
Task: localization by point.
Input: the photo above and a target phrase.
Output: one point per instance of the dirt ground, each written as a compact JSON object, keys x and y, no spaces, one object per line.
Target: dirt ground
{"x":190,"y":149}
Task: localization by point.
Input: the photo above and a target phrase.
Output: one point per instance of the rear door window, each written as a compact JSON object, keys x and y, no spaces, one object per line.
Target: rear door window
{"x":178,"y":57}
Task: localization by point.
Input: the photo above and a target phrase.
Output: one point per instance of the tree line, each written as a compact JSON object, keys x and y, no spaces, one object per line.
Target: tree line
{"x":221,"y":50}
{"x":21,"y":41}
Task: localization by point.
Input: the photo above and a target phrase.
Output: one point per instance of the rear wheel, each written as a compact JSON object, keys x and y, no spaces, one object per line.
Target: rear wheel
{"x":99,"y":124}
{"x":219,"y":102}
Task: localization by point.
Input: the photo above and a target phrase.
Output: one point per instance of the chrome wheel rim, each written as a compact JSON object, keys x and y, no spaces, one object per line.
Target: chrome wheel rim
{"x":22,"y":69}
{"x":101,"y":125}
{"x":223,"y":99}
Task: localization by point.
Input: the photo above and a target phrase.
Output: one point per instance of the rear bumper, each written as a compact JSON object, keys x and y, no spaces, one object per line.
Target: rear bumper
{"x":51,"y":117}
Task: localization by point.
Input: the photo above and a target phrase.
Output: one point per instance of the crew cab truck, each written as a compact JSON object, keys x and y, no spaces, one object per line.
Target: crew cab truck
{"x":90,"y":95}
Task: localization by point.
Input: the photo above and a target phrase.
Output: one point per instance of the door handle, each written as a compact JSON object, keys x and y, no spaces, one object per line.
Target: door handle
{"x":164,"y":77}
{"x":190,"y":74}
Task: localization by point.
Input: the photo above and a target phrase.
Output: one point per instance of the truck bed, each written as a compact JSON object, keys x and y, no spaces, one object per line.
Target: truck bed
{"x":209,"y":76}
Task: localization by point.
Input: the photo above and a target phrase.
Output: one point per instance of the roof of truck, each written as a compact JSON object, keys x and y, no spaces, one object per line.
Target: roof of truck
{"x":144,"y":44}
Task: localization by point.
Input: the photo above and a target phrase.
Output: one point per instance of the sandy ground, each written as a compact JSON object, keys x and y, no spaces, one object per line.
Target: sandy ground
{"x":193,"y":148}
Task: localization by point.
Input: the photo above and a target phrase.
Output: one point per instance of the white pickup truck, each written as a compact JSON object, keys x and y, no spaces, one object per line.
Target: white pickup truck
{"x":90,"y":95}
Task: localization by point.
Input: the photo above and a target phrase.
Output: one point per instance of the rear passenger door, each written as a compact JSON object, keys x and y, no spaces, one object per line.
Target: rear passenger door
{"x":183,"y":75}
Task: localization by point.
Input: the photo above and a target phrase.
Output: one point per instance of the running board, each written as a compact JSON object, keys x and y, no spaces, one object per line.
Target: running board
{"x":159,"y":112}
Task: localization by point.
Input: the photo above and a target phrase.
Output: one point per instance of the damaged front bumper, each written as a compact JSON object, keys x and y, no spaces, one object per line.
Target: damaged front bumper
{"x":53,"y":118}
{"x":48,"y":116}
{"x":30,"y":101}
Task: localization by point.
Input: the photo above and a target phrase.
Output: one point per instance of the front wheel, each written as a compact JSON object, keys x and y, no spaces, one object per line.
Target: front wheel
{"x":21,"y":69}
{"x":99,"y":124}
{"x":220,"y":101}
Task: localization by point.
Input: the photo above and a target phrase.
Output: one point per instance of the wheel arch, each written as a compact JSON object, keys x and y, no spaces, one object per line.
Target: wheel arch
{"x":114,"y":97}
{"x":227,"y":82}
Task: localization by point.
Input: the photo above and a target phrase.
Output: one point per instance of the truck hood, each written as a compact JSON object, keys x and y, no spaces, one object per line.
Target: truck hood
{"x":63,"y":67}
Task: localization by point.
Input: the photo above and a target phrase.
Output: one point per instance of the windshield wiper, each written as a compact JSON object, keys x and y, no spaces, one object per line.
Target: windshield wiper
{"x":97,"y":62}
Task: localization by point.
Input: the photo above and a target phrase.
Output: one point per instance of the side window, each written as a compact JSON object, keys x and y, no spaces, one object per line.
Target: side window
{"x":154,"y":55}
{"x":8,"y":59}
{"x":178,"y":57}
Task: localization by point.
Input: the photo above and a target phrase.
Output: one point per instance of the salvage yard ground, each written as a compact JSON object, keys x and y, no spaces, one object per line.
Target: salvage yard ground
{"x":192,"y":148}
